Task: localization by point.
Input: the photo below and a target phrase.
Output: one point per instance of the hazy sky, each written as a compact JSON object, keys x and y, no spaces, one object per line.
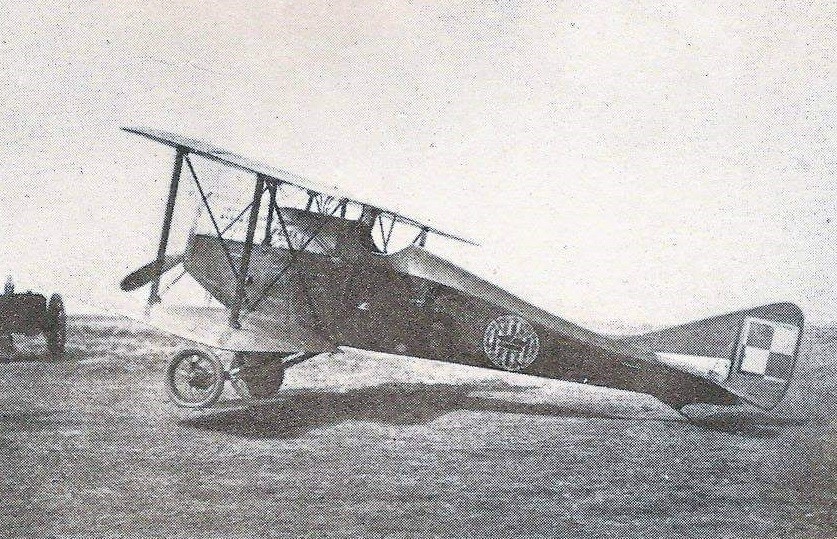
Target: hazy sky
{"x":645,"y":163}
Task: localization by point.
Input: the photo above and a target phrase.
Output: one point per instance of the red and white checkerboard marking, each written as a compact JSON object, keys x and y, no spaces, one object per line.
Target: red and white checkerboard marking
{"x":767,"y":348}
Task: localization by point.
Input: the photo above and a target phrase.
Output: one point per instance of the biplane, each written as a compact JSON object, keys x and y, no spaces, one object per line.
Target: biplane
{"x":291,"y":269}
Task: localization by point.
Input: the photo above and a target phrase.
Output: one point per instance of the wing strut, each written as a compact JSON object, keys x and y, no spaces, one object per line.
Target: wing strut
{"x":235,"y":310}
{"x":180,"y":258}
{"x":268,"y":227}
{"x":212,"y":218}
{"x":154,"y":296}
{"x":293,"y":250}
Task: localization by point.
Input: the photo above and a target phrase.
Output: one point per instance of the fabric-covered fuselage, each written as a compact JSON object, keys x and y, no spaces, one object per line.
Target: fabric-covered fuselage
{"x":414,"y":303}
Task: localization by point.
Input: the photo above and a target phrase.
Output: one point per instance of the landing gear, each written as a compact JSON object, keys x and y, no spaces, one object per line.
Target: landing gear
{"x":257,"y":375}
{"x":195,"y":378}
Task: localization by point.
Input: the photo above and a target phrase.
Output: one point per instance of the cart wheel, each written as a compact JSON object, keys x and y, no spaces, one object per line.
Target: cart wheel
{"x":257,"y":375}
{"x":56,"y":330}
{"x":195,"y":378}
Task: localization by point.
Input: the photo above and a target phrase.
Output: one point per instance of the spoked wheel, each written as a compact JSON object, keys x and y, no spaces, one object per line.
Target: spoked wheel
{"x":257,"y":375}
{"x":56,"y":330}
{"x":195,"y":379}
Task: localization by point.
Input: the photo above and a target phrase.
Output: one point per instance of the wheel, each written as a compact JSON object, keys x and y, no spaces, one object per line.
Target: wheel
{"x":257,"y":375}
{"x":56,"y":330}
{"x":195,"y":378}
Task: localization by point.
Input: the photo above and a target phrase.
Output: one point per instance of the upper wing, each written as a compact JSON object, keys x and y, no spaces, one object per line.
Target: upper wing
{"x":215,"y":153}
{"x":209,"y":326}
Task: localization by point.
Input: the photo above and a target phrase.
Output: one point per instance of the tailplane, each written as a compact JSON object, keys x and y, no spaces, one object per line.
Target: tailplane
{"x":750,"y":353}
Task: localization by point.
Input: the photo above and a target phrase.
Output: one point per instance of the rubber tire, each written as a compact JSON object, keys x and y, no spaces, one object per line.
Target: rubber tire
{"x":265,"y":377}
{"x":217,"y":388}
{"x":56,"y":330}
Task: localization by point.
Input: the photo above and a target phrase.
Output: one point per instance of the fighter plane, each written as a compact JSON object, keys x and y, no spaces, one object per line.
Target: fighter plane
{"x":297,"y":268}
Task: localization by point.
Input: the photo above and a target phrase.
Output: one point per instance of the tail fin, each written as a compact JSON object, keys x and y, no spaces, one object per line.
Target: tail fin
{"x":750,"y":353}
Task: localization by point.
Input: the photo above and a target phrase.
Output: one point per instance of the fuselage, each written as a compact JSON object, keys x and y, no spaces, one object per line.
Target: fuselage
{"x":413,"y":303}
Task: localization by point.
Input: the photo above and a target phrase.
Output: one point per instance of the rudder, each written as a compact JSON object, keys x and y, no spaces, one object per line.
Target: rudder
{"x":750,"y":353}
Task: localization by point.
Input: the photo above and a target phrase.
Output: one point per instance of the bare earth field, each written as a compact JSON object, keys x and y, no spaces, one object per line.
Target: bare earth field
{"x":368,"y":445}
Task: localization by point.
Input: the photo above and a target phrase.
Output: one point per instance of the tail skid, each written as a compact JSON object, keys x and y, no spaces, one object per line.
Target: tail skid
{"x":750,"y":353}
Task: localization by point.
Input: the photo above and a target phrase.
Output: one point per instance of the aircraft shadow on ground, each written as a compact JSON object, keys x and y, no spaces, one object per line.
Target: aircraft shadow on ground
{"x":70,"y":355}
{"x":417,"y":404}
{"x":26,"y":421}
{"x":744,"y":422}
{"x":395,"y":404}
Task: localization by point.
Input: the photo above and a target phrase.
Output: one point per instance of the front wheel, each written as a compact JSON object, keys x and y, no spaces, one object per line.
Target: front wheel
{"x":195,"y":379}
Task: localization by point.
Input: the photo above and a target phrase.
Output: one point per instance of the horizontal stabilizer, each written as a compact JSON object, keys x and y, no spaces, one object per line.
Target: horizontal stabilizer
{"x":148,"y":273}
{"x":750,"y":353}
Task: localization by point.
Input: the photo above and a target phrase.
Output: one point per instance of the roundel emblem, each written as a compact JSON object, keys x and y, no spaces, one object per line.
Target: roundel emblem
{"x":510,"y":342}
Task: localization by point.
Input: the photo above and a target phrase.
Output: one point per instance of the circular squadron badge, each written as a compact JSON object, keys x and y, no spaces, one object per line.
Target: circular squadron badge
{"x":510,"y":342}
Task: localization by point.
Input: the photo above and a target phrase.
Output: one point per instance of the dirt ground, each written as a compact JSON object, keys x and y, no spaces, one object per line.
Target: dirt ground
{"x":368,"y":445}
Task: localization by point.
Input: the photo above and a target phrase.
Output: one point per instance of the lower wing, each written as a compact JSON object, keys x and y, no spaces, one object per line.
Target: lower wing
{"x":209,"y":326}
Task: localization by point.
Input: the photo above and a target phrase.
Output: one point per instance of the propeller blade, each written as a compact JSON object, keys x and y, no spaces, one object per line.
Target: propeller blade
{"x":147,"y":273}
